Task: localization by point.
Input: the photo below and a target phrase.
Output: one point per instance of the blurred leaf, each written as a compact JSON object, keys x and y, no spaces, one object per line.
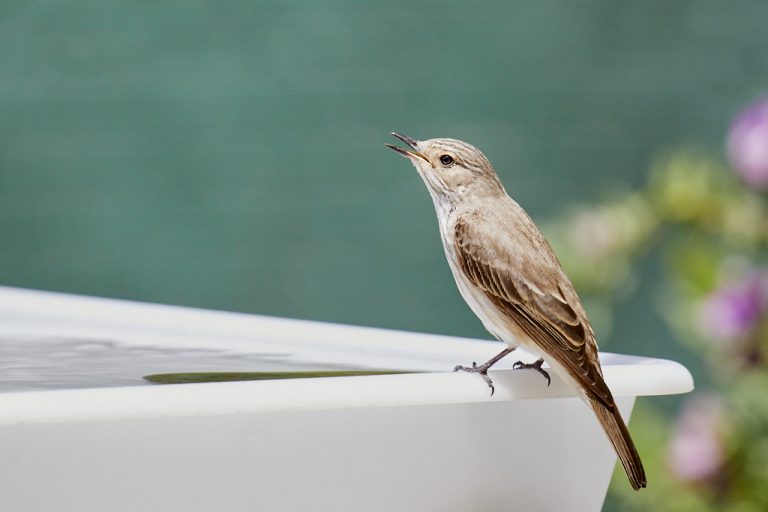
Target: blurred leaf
{"x":688,"y":185}
{"x":694,"y":260}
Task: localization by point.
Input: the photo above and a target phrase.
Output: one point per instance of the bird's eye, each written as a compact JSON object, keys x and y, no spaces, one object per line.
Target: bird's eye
{"x":446,"y":160}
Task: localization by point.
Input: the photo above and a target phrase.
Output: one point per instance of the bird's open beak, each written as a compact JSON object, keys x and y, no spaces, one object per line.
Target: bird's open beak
{"x":412,"y":153}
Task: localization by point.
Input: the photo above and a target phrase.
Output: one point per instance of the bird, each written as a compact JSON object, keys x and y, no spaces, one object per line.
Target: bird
{"x":512,"y":280}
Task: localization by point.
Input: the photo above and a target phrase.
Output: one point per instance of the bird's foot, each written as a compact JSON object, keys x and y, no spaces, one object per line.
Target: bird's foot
{"x":482,"y":370}
{"x":536,"y":365}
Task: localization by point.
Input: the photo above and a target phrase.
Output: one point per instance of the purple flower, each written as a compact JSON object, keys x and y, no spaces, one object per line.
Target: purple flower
{"x":696,"y":452}
{"x":732,"y":311}
{"x":748,"y":144}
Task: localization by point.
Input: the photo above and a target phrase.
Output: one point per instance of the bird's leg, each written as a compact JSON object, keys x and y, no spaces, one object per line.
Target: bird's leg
{"x":536,"y":365}
{"x":483,"y":368}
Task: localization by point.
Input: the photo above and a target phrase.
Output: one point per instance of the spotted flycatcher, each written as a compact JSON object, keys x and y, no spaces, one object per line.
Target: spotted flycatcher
{"x":512,"y":280}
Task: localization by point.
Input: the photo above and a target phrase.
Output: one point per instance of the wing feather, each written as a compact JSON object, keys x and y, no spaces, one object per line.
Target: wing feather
{"x":542,"y":303}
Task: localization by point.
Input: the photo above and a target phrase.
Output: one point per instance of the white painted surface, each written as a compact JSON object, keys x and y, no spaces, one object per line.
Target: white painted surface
{"x":427,"y":441}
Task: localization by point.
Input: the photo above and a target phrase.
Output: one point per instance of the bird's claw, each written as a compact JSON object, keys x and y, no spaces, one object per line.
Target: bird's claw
{"x":482,"y":370}
{"x":536,"y":365}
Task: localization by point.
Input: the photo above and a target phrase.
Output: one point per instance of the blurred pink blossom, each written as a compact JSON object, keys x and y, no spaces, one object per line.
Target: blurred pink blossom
{"x":732,"y":311}
{"x":748,"y":144}
{"x":696,"y":452}
{"x":593,"y":234}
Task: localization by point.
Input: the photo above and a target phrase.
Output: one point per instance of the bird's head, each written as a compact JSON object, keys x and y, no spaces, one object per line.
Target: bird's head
{"x":450,"y":168}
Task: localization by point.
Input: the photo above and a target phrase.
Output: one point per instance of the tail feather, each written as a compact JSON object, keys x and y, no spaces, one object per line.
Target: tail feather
{"x":617,"y":432}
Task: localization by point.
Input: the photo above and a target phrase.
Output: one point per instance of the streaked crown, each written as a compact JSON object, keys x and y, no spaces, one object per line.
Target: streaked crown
{"x":451,"y":167}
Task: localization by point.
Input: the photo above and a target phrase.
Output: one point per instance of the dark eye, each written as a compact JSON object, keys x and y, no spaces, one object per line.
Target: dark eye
{"x":446,"y":160}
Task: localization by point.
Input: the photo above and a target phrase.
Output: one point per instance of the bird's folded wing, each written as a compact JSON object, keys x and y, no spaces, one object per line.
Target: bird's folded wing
{"x":536,"y":301}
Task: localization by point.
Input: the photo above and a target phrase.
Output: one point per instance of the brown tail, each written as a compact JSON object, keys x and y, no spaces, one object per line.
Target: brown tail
{"x":614,"y":426}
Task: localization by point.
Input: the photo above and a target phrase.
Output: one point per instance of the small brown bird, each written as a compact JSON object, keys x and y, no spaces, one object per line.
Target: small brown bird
{"x":512,"y":280}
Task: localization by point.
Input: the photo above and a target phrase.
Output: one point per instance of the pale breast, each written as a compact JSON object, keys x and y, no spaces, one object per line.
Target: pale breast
{"x":495,"y":321}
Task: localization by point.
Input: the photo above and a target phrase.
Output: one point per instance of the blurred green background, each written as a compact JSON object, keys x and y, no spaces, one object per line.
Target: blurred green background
{"x":231,"y":154}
